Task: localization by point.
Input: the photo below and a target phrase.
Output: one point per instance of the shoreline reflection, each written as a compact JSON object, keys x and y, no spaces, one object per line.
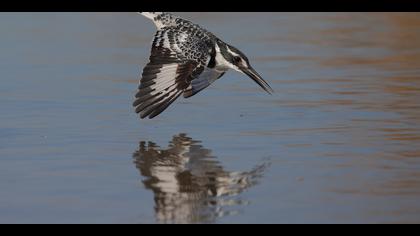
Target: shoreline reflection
{"x":189,"y":184}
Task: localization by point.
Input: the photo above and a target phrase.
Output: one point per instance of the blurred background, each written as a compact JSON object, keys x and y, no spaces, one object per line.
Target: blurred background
{"x":337,"y":143}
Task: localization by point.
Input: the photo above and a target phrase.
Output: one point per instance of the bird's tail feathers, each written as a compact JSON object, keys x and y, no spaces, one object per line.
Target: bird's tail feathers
{"x":151,"y":15}
{"x":161,"y":19}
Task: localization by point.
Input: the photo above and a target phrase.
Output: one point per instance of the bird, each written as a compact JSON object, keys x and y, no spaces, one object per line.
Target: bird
{"x":185,"y":59}
{"x":189,"y":183}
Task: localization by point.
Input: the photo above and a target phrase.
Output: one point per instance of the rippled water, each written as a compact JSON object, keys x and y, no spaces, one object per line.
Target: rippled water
{"x":338,"y":142}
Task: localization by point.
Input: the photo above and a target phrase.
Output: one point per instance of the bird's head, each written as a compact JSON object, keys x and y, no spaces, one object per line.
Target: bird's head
{"x":239,"y":62}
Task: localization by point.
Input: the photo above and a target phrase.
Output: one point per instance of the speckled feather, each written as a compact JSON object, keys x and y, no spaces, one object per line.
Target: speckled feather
{"x":180,"y":49}
{"x":185,"y":59}
{"x":188,"y":40}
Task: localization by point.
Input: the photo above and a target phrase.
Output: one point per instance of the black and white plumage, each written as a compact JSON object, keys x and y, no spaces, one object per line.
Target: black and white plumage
{"x":185,"y":59}
{"x":189,"y":183}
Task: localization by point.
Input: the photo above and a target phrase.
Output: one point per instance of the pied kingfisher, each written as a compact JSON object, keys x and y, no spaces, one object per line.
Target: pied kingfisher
{"x":185,"y":59}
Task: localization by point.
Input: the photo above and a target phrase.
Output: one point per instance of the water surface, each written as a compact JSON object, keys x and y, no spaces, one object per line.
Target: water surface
{"x":337,"y":143}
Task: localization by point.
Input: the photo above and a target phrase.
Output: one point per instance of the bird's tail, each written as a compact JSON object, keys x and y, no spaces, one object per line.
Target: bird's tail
{"x":161,"y":19}
{"x":151,"y":15}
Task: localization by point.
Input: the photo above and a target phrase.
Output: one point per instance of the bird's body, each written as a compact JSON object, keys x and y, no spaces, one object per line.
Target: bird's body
{"x":185,"y":59}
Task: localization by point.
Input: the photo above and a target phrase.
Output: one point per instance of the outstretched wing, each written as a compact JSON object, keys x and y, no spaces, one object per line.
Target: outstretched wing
{"x":176,"y":64}
{"x":163,"y":80}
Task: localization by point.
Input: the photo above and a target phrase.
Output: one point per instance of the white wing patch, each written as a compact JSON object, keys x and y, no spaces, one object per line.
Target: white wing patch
{"x":164,"y":78}
{"x":161,"y":84}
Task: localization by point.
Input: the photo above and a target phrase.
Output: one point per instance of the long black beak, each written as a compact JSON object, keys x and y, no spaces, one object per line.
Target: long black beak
{"x":258,"y":79}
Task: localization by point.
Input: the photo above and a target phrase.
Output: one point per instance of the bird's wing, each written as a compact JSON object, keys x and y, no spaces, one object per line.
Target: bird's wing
{"x":202,"y":79}
{"x":176,"y":60}
{"x":163,"y":80}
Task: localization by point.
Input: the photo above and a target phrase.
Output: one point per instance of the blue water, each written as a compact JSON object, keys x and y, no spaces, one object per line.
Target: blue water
{"x":337,"y":143}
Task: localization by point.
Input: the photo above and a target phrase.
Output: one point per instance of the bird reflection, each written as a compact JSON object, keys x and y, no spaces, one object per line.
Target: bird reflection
{"x":189,"y":184}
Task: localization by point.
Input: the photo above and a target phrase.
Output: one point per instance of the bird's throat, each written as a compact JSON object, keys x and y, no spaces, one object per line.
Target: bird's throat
{"x":221,"y":63}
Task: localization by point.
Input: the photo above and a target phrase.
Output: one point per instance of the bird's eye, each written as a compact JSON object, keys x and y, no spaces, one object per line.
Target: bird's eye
{"x":236,"y":59}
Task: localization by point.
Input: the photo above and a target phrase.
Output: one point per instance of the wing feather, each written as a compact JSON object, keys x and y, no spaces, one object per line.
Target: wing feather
{"x":202,"y":81}
{"x":168,"y":74}
{"x":163,"y":80}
